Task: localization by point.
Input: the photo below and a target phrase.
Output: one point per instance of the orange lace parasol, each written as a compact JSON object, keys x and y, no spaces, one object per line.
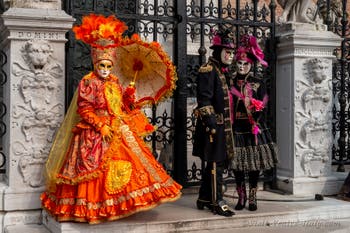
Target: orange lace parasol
{"x":146,"y":67}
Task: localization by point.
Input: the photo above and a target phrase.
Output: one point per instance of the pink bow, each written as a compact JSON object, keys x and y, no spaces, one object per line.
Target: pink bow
{"x":224,"y":69}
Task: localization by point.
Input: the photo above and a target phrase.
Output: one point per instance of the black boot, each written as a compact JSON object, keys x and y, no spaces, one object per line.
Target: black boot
{"x":204,"y":203}
{"x":221,"y":208}
{"x":242,"y":197}
{"x":253,"y":205}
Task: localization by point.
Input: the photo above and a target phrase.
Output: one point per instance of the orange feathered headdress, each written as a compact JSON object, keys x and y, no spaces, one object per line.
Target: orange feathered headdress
{"x":102,"y":33}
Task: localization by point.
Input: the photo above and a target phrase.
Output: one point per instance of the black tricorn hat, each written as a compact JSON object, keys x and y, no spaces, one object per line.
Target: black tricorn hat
{"x":223,"y":38}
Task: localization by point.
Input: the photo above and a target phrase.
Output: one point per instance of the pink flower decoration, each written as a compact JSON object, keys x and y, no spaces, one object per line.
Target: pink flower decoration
{"x":257,"y":104}
{"x":217,"y":40}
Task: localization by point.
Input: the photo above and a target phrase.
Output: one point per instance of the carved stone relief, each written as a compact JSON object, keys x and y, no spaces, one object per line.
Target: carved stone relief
{"x":32,"y":171}
{"x":313,"y":117}
{"x":38,"y":116}
{"x":38,"y":73}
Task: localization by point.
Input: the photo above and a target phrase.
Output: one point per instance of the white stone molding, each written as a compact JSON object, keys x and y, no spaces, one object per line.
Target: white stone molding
{"x":25,"y":24}
{"x":20,"y":218}
{"x":38,"y":4}
{"x":312,"y":52}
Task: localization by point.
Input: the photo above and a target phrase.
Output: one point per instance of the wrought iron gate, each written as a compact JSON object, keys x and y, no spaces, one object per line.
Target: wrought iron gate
{"x":184,"y":29}
{"x":3,"y":111}
{"x":336,"y":16}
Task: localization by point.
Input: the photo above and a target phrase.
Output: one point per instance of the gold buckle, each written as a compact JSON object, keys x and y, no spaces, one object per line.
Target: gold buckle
{"x":225,"y":207}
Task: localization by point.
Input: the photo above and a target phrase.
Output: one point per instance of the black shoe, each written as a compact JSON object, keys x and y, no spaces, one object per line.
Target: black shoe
{"x":253,"y":205}
{"x":204,"y":203}
{"x":240,"y":204}
{"x":221,"y":208}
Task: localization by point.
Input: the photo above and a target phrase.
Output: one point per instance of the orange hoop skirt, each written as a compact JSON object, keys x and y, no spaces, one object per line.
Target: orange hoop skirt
{"x":143,"y":184}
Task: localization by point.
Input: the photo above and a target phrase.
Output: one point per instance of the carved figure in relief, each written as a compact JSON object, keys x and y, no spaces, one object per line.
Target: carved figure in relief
{"x":39,"y":72}
{"x":315,"y":93}
{"x":39,"y":128}
{"x":302,"y":11}
{"x":313,"y":133}
{"x":37,"y":54}
{"x":31,"y":170}
{"x":313,"y":156}
{"x":30,"y":167}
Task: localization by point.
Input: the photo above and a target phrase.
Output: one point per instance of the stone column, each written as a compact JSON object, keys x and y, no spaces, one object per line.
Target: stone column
{"x":33,"y":40}
{"x":304,"y":109}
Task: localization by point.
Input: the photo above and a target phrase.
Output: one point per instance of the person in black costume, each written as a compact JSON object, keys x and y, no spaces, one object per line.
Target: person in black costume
{"x":213,"y":134}
{"x":254,"y":148}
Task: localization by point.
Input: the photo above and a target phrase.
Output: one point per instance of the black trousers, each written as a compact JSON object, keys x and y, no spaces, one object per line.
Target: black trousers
{"x":205,"y":190}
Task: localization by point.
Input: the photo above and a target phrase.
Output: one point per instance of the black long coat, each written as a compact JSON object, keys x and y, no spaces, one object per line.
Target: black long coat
{"x":212,"y":91}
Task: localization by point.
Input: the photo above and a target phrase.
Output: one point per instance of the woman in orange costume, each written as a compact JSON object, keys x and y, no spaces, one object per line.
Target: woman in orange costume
{"x":103,"y":170}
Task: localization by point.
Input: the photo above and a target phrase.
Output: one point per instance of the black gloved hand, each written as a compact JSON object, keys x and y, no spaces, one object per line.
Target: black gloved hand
{"x":209,"y":123}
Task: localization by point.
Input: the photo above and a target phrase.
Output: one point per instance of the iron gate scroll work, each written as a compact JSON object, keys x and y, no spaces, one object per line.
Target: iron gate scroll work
{"x":3,"y":111}
{"x":184,"y":30}
{"x":3,"y":108}
{"x":335,"y":14}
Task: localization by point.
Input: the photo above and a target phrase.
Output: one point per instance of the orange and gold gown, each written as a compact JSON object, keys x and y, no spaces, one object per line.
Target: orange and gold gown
{"x":100,"y":180}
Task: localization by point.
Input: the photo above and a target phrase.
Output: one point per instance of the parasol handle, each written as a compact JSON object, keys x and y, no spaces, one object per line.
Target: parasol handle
{"x":137,"y":66}
{"x":134,"y":79}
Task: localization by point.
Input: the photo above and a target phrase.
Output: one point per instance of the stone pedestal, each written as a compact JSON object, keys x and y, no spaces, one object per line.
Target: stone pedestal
{"x":34,"y":43}
{"x":304,"y":109}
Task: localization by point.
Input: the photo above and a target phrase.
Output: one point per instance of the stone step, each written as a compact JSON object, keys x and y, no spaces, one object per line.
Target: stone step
{"x":334,"y":226}
{"x":182,"y":216}
{"x":31,"y":228}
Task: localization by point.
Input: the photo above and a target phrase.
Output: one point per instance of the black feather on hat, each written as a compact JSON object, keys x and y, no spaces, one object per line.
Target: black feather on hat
{"x":223,"y":39}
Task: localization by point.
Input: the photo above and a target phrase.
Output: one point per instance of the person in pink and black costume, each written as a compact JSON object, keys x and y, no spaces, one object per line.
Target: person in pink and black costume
{"x":213,"y":139}
{"x":254,"y":148}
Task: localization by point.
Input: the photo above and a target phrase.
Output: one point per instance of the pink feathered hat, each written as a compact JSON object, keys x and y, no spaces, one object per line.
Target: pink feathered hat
{"x":250,"y":51}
